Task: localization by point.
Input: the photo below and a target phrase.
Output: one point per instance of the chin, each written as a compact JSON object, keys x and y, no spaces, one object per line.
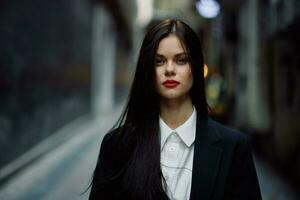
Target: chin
{"x":173,"y":96}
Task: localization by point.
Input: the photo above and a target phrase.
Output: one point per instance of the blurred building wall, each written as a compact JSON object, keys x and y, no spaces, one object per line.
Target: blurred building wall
{"x":263,"y":37}
{"x":59,"y":60}
{"x":112,"y":38}
{"x":44,"y":70}
{"x":252,"y":99}
{"x":103,"y":60}
{"x":272,"y":85}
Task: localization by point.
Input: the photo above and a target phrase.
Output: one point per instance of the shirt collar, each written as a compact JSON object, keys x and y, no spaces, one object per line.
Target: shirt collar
{"x":186,"y":131}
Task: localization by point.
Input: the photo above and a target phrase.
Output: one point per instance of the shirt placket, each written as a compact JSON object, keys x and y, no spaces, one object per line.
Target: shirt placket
{"x":172,"y":157}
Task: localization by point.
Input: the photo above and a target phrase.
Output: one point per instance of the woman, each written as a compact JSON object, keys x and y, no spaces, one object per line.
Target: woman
{"x":165,"y":145}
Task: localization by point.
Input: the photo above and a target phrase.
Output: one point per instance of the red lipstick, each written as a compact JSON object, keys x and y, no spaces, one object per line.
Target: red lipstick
{"x":170,"y":83}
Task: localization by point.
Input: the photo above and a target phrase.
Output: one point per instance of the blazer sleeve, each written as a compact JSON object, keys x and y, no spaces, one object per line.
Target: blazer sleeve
{"x":242,"y":178}
{"x":98,"y":189}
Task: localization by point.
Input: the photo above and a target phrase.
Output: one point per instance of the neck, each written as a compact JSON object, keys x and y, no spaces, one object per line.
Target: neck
{"x":175,"y":112}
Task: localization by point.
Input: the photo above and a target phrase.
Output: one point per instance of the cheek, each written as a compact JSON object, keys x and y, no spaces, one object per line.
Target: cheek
{"x":157,"y":75}
{"x":189,"y":76}
{"x":157,"y":78}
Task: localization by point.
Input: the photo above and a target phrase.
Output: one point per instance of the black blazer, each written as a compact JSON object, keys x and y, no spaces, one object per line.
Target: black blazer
{"x":223,"y":167}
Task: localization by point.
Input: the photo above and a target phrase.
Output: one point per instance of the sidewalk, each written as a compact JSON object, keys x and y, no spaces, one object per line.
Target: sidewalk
{"x":65,"y":172}
{"x":271,"y":185}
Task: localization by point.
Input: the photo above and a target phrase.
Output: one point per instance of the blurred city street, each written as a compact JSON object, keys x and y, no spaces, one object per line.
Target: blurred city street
{"x":65,"y":172}
{"x":67,"y":66}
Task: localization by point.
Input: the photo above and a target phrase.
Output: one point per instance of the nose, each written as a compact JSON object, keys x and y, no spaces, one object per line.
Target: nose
{"x":170,"y":69}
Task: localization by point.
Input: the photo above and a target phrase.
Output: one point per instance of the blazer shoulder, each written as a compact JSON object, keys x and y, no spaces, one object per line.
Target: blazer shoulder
{"x":228,"y":133}
{"x":241,"y":178}
{"x":110,"y":136}
{"x":116,"y":149}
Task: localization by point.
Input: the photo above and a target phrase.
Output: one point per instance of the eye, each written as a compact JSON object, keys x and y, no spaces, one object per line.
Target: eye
{"x":182,"y":60}
{"x":159,"y":61}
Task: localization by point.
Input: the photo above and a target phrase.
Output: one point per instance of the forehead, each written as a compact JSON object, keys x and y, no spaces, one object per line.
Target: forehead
{"x":170,"y":45}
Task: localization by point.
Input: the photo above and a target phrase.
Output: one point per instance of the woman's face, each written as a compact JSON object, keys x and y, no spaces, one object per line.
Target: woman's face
{"x":172,"y":68}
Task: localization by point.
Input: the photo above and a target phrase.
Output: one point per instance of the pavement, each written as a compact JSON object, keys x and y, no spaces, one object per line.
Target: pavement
{"x":65,"y":172}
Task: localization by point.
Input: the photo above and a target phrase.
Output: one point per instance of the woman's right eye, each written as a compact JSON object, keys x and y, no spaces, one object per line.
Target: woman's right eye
{"x":159,"y":61}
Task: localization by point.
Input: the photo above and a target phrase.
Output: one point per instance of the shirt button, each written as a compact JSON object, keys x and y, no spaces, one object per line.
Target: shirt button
{"x":171,"y":149}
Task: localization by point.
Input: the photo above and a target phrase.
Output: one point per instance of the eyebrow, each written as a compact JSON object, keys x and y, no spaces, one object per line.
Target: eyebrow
{"x":176,"y":55}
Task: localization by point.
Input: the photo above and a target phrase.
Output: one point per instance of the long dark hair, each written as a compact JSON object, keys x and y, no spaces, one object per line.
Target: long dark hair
{"x":137,"y":140}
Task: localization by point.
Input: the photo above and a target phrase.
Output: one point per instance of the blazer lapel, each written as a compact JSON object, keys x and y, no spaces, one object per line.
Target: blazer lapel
{"x":206,"y":162}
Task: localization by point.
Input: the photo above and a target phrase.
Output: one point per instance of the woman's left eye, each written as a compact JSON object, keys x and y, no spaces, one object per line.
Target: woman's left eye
{"x":182,"y":61}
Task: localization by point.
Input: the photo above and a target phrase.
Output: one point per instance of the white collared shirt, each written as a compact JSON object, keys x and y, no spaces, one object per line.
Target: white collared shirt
{"x":177,"y":152}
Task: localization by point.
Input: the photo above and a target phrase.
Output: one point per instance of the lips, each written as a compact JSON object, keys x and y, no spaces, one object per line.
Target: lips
{"x":170,"y":83}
